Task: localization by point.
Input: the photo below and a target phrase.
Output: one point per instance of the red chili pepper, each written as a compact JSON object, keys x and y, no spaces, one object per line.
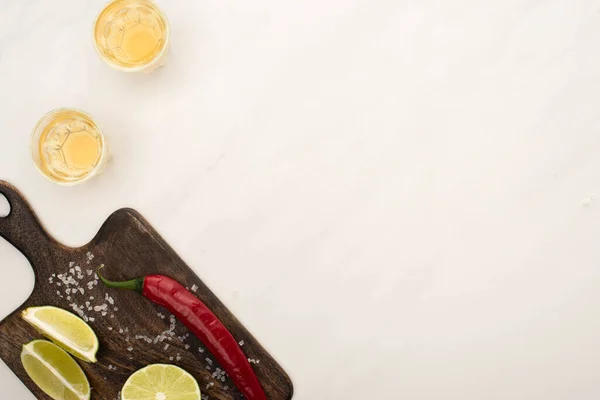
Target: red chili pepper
{"x":203,"y":323}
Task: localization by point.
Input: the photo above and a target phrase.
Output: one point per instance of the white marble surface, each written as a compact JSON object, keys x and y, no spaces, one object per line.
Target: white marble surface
{"x":398,"y":197}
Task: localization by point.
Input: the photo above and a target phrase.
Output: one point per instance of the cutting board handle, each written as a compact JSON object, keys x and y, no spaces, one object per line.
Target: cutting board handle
{"x":21,"y":227}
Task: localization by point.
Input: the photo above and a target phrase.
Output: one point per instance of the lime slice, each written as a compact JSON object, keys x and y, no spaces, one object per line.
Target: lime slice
{"x":161,"y":382}
{"x":54,"y":371}
{"x":65,"y":329}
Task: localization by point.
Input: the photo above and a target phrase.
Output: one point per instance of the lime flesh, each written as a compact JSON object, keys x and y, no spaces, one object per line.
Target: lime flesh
{"x":65,"y":329}
{"x":54,"y":371}
{"x":161,"y":382}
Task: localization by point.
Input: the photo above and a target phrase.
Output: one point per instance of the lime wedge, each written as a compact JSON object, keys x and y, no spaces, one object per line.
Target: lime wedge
{"x":65,"y":329}
{"x":54,"y":371}
{"x":161,"y":382}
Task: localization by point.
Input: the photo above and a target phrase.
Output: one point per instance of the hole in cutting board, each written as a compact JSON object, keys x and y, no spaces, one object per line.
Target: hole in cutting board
{"x":18,"y":288}
{"x":4,"y":206}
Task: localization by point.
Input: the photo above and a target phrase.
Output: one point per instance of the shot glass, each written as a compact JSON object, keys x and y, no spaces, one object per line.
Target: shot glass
{"x":68,"y":147}
{"x":132,"y":35}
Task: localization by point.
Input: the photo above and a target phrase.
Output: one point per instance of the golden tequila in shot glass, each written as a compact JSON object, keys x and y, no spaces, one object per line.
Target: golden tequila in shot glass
{"x":132,"y":35}
{"x":68,"y":147}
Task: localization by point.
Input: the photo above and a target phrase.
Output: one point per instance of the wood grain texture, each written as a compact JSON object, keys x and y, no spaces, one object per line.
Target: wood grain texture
{"x":130,"y":329}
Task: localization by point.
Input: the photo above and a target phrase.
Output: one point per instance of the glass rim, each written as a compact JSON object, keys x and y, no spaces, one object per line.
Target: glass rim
{"x":34,"y":149}
{"x":139,"y":68}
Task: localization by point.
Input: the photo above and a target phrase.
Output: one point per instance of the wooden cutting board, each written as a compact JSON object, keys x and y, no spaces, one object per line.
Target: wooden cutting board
{"x":133,"y":332}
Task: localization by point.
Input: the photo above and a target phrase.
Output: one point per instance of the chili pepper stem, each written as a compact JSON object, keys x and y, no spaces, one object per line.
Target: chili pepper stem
{"x":134,"y":284}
